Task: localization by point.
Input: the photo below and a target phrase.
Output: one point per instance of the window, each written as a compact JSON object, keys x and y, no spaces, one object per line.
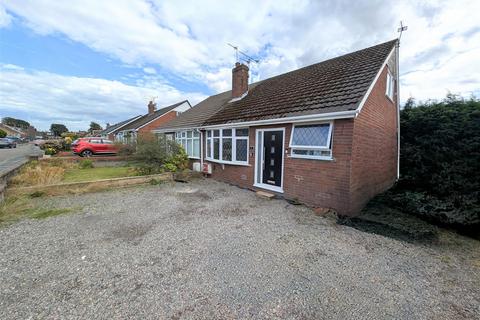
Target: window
{"x":390,"y":85}
{"x":107,"y":141}
{"x":312,"y":141}
{"x":96,"y":141}
{"x":228,"y":145}
{"x":190,"y":141}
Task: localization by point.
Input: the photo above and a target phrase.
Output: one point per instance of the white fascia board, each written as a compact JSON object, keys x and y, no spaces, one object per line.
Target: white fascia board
{"x":365,"y":97}
{"x":143,"y":125}
{"x":311,"y":117}
{"x":123,"y":125}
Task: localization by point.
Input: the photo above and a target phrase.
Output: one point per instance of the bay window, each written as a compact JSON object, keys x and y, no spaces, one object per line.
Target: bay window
{"x":190,"y":141}
{"x":227,"y":145}
{"x":312,"y":141}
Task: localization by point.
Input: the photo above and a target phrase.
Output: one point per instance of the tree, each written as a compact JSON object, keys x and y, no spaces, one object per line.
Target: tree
{"x":3,"y":134}
{"x":15,"y":122}
{"x":94,"y":126}
{"x":57,"y":129}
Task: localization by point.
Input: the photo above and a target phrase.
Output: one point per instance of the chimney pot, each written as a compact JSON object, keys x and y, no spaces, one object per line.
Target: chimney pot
{"x":239,"y":80}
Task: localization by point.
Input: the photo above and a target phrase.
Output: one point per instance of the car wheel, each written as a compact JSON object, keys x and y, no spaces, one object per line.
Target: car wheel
{"x":86,"y":153}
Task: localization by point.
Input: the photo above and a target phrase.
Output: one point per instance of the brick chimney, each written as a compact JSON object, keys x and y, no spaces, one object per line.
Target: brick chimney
{"x":152,"y":106}
{"x":239,"y":80}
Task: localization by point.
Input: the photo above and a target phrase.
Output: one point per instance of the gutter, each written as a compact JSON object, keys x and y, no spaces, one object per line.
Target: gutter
{"x":310,"y":117}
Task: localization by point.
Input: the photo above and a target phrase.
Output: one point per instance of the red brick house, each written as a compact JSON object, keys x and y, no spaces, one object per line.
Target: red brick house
{"x":325,"y":135}
{"x":111,"y":131}
{"x":141,"y":124}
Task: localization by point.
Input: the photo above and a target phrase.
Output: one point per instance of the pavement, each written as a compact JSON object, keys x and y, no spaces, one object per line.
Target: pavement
{"x":12,"y":158}
{"x":208,"y":250}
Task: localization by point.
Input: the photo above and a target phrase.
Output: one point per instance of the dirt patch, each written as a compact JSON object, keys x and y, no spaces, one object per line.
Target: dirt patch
{"x":129,"y":233}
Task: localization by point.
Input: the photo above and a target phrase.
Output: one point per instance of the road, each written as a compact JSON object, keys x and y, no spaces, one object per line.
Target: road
{"x":11,"y":158}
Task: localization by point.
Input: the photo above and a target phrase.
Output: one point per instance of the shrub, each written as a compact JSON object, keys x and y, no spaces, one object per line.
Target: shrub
{"x":125,"y":149}
{"x":3,"y":134}
{"x":155,"y":154}
{"x":85,"y":164}
{"x":440,"y":161}
{"x":51,"y":151}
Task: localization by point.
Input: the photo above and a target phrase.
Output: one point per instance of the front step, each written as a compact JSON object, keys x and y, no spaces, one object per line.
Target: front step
{"x":265,"y":195}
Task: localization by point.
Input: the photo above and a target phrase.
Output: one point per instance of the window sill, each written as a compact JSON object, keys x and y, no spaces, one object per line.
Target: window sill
{"x":194,"y":158}
{"x":312,"y":158}
{"x":245,"y":164}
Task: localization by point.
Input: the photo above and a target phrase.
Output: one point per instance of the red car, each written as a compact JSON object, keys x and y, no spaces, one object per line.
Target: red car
{"x":87,"y":147}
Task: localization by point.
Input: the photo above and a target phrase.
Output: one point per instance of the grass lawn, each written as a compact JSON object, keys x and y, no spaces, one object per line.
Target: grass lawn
{"x":78,"y":175}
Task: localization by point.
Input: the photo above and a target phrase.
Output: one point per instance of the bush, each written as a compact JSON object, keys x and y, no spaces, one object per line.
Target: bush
{"x":3,"y":134}
{"x":440,"y":161}
{"x":156,"y":154}
{"x":52,"y":147}
{"x":85,"y":164}
{"x":51,"y":151}
{"x":125,"y":149}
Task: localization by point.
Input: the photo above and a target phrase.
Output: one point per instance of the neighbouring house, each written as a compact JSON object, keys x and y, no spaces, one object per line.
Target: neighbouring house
{"x":12,"y":131}
{"x":111,"y":130}
{"x":325,"y":135}
{"x":151,"y":120}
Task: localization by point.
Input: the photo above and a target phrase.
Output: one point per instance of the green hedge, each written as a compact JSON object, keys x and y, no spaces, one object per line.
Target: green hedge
{"x":440,"y":161}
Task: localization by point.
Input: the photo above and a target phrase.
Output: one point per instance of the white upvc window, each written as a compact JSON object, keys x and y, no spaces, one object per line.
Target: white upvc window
{"x":312,"y":141}
{"x":390,"y":85}
{"x":190,"y":141}
{"x":227,"y":145}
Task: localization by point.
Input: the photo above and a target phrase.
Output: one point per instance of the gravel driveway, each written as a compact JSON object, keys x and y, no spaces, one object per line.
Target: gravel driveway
{"x":207,"y":250}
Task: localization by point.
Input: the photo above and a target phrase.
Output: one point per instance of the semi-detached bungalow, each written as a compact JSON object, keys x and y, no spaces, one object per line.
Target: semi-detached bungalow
{"x":129,"y":131}
{"x":325,"y":135}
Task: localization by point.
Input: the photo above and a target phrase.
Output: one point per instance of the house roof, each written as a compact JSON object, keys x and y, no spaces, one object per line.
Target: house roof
{"x":117,"y":126}
{"x":150,"y":117}
{"x":334,"y":85}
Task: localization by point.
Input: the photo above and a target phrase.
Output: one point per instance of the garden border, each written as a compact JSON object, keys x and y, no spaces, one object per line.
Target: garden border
{"x":87,"y":186}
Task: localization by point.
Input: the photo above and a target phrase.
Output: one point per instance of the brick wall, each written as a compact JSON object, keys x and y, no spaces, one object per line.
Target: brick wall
{"x":159,"y":121}
{"x":374,"y":154}
{"x":313,"y":182}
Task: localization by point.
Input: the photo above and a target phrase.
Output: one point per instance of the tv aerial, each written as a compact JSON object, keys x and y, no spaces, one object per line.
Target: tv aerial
{"x":242,"y":56}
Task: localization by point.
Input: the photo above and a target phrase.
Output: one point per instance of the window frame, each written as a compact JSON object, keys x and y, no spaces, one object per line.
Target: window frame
{"x":390,"y":85}
{"x":234,"y":139}
{"x":183,"y":135}
{"x":327,"y":147}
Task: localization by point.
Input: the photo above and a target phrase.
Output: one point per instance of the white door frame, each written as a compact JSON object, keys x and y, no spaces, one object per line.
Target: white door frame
{"x":259,"y":134}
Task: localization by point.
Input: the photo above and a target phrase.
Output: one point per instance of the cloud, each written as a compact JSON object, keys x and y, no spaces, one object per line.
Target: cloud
{"x":48,"y":98}
{"x":5,"y":18}
{"x":190,"y":39}
{"x":149,"y":70}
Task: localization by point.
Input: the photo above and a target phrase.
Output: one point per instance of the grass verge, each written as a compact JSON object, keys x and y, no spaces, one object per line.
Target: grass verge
{"x":15,"y":208}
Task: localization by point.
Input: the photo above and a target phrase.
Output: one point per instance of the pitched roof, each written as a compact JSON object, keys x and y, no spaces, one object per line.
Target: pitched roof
{"x":117,"y":126}
{"x":334,"y":85}
{"x":150,"y":117}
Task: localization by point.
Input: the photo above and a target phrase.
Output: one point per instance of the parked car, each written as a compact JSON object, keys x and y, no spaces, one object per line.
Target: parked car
{"x":7,"y":143}
{"x":16,"y":139}
{"x":87,"y":147}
